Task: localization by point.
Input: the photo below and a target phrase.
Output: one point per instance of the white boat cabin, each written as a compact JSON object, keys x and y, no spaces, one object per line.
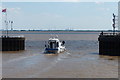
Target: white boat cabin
{"x":54,"y":45}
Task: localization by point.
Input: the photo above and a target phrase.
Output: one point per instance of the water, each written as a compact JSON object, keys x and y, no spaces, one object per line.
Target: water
{"x":80,"y":60}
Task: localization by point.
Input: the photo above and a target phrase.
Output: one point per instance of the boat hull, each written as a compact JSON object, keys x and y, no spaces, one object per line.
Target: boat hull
{"x":54,"y":51}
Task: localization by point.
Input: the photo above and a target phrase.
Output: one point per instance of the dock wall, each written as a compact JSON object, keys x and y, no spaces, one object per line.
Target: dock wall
{"x":12,"y":43}
{"x":109,"y":45}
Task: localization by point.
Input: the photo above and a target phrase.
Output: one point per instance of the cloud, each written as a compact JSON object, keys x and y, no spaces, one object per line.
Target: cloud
{"x":14,"y":10}
{"x":105,"y":9}
{"x":74,"y":0}
{"x":51,"y":15}
{"x":60,"y":0}
{"x":99,"y":2}
{"x":41,"y":0}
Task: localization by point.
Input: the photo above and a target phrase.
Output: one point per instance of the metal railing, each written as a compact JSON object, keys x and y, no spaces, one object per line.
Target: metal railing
{"x":109,"y":34}
{"x":12,"y":36}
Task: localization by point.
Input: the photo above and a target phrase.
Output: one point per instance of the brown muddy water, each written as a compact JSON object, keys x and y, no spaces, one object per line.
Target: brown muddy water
{"x":80,"y":60}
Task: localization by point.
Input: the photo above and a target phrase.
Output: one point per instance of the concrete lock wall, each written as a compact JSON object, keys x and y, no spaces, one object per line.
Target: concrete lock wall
{"x":13,"y":43}
{"x":109,"y":45}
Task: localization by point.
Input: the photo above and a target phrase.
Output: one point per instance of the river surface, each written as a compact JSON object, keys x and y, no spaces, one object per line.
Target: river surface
{"x":80,"y":60}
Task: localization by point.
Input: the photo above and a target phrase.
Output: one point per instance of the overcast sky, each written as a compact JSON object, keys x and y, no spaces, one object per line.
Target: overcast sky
{"x":60,"y":15}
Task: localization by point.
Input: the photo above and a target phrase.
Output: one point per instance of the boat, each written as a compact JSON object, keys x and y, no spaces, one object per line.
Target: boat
{"x":54,"y":46}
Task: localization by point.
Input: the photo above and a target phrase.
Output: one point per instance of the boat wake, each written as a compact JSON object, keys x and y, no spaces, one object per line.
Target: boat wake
{"x":59,"y":58}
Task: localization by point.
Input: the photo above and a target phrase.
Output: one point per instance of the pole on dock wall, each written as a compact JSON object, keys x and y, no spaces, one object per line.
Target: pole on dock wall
{"x":119,"y":15}
{"x":6,"y":24}
{"x":11,"y":25}
{"x":113,"y":24}
{"x":6,"y":21}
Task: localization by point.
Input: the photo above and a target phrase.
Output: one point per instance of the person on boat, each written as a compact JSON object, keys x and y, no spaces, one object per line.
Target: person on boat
{"x":63,"y":42}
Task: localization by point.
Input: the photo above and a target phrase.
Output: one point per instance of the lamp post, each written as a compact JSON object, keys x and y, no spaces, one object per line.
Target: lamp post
{"x":6,"y":23}
{"x":11,"y":25}
{"x":114,"y":16}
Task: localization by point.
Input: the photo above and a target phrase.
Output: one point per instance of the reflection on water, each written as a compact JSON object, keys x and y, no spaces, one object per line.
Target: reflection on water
{"x":81,"y":60}
{"x":109,"y":57}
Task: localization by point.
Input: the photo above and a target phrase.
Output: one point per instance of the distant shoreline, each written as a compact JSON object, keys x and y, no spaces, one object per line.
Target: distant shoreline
{"x":63,"y":30}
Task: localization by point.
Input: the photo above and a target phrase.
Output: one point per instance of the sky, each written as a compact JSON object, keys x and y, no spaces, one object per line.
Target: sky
{"x":59,"y":0}
{"x":60,"y":15}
